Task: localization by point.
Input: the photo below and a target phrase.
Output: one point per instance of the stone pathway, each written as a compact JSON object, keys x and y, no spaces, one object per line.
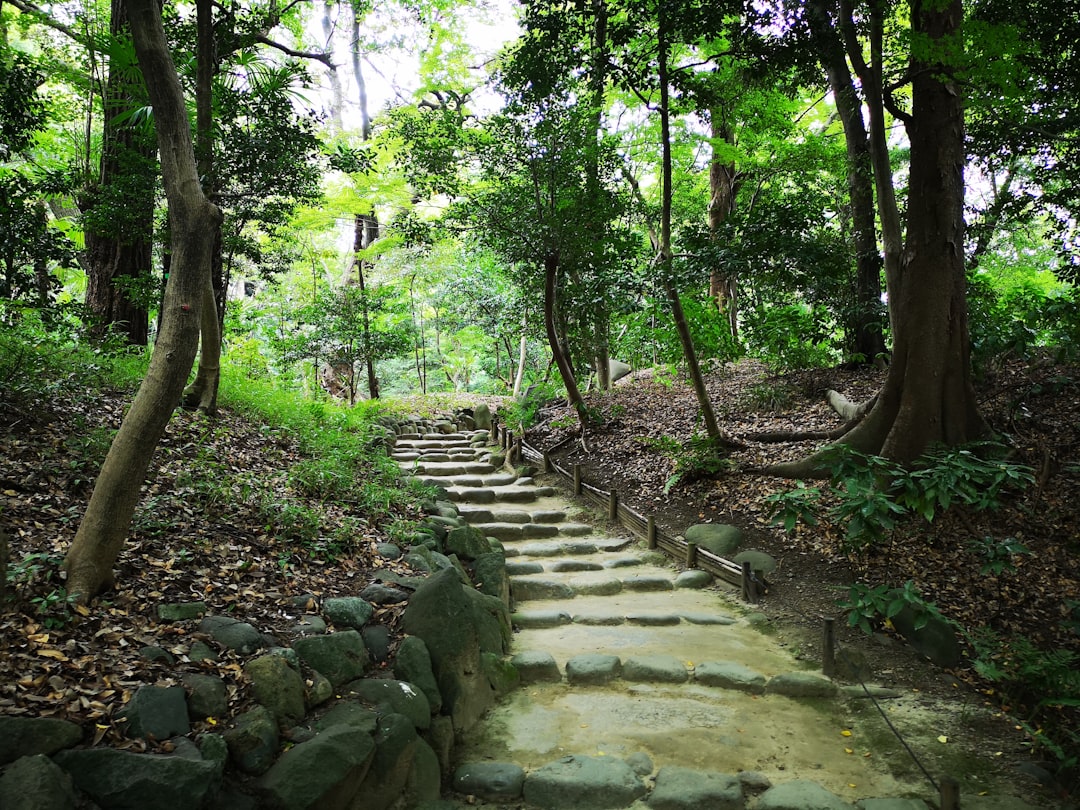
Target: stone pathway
{"x":640,"y":685}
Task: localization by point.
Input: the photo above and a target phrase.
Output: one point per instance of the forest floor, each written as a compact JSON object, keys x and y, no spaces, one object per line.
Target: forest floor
{"x":214,"y":525}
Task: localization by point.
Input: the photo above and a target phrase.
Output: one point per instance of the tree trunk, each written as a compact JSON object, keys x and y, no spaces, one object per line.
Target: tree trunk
{"x":573,"y":394}
{"x":523,"y":355}
{"x":928,"y":397}
{"x":366,"y":232}
{"x":866,"y":326}
{"x":723,"y":188}
{"x":102,"y":532}
{"x":712,"y":428}
{"x":120,"y":212}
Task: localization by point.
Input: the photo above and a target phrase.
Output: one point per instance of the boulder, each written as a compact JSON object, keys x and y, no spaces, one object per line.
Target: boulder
{"x":325,"y":772}
{"x":800,"y":795}
{"x":467,"y":542}
{"x":395,"y":745}
{"x":444,"y":615}
{"x":393,"y":697}
{"x":207,"y":695}
{"x":720,"y":538}
{"x":801,"y":685}
{"x":26,"y":736}
{"x":413,"y":664}
{"x":490,"y":572}
{"x":761,"y":563}
{"x":180,"y":611}
{"x":536,"y":667}
{"x":936,"y":639}
{"x":424,"y":782}
{"x":680,"y":788}
{"x":121,"y":780}
{"x":729,"y":675}
{"x":253,"y":740}
{"x":234,"y":634}
{"x":490,"y":781}
{"x":157,"y":711}
{"x":482,"y":417}
{"x":348,"y":611}
{"x":36,"y":783}
{"x":341,"y":657}
{"x":278,"y":687}
{"x":593,"y":668}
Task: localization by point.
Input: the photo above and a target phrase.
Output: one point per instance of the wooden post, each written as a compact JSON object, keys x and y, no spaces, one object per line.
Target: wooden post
{"x":547,"y":462}
{"x":577,"y":479}
{"x":749,"y":588}
{"x":613,"y":506}
{"x":691,"y":555}
{"x":950,"y":793}
{"x":650,"y":533}
{"x":828,"y":653}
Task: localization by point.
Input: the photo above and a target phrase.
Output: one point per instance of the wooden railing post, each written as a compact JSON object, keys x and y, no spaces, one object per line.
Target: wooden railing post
{"x":749,"y":587}
{"x":950,"y":793}
{"x":613,"y":506}
{"x":547,"y":462}
{"x":650,"y":533}
{"x":691,"y":555}
{"x":828,"y":654}
{"x":577,"y":479}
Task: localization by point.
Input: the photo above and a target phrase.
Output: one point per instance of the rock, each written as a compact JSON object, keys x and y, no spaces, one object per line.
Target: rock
{"x":680,"y":788}
{"x":350,"y":713}
{"x":593,"y":668}
{"x":36,"y":783}
{"x":180,"y":611}
{"x":648,"y":582}
{"x":753,"y":782}
{"x":761,"y":563}
{"x":852,"y":666}
{"x":583,"y":783}
{"x":121,"y":780}
{"x":278,"y":687}
{"x":525,"y":590}
{"x":490,"y":781}
{"x":617,"y":370}
{"x":26,"y":736}
{"x":201,"y":651}
{"x":159,"y":712}
{"x":800,"y":795}
{"x":395,"y":697}
{"x":253,"y":740}
{"x":388,"y":551}
{"x":936,"y":639}
{"x":490,"y":572}
{"x":892,"y":804}
{"x":467,"y":542}
{"x":501,"y":674}
{"x":413,"y":664}
{"x":482,"y":417}
{"x":288,"y":653}
{"x":729,"y":675}
{"x":641,"y":763}
{"x":536,"y":667}
{"x":719,"y":538}
{"x":441,"y":738}
{"x":207,"y":695}
{"x":380,"y":594}
{"x":308,"y":626}
{"x":317,"y":689}
{"x":341,"y":657}
{"x":654,"y":669}
{"x":445,"y":617}
{"x":348,"y":611}
{"x":377,"y":641}
{"x":152,"y":652}
{"x":801,"y":685}
{"x":539,"y":618}
{"x":424,"y":782}
{"x":694,"y":578}
{"x":395,"y":744}
{"x":325,"y":772}
{"x":233,"y":634}
{"x":492,"y":621}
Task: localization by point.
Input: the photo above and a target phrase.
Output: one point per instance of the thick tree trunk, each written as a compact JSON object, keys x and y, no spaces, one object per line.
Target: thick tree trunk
{"x":928,"y":396}
{"x":104,"y":527}
{"x":120,"y":212}
{"x":366,"y":232}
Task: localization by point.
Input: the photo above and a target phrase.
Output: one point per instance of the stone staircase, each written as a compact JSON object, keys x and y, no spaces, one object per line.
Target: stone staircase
{"x":639,"y":684}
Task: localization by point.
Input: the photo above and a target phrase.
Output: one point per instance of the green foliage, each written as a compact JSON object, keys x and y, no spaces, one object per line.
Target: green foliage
{"x":790,"y":337}
{"x":998,"y":555}
{"x":767,"y":396}
{"x":701,"y":457}
{"x":870,"y":494}
{"x":37,"y":576}
{"x":523,"y":413}
{"x":868,"y":608}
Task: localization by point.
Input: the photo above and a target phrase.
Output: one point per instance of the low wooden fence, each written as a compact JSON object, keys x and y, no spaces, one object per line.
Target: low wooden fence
{"x":741,"y":576}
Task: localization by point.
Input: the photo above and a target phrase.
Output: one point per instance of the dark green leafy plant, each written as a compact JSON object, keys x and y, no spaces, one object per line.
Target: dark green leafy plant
{"x":868,"y":608}
{"x":700,"y":458}
{"x":998,"y":555}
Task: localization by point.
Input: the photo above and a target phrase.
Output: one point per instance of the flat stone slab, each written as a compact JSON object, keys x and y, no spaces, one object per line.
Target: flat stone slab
{"x":536,"y":667}
{"x":648,"y":583}
{"x":575,"y":565}
{"x":541,"y":530}
{"x":548,"y":516}
{"x":600,"y":587}
{"x":517,"y":569}
{"x":490,"y":781}
{"x":539,"y":619}
{"x":469,"y":495}
{"x":478,"y":517}
{"x":653,"y":619}
{"x":593,"y":668}
{"x":801,"y":795}
{"x":679,"y":788}
{"x":694,"y":579}
{"x":654,"y":669}
{"x":575,"y":529}
{"x":599,"y":619}
{"x":729,"y":675}
{"x":541,"y":549}
{"x":623,"y":562}
{"x":892,"y":804}
{"x":707,"y":618}
{"x":515,"y":495}
{"x":583,"y":783}
{"x":525,"y":589}
{"x":502,"y":531}
{"x":800,"y":685}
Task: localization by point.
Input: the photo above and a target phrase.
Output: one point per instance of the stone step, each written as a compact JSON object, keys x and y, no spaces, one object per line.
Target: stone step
{"x":493,"y":494}
{"x":597,"y":582}
{"x":567,"y":547}
{"x":449,"y":469}
{"x":520,"y":566}
{"x":476,"y":515}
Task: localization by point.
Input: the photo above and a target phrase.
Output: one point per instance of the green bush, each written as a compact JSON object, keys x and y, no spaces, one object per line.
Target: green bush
{"x":869,"y":608}
{"x":790,"y":337}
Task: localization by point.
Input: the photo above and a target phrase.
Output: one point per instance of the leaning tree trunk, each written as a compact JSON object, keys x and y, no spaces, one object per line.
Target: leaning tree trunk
{"x":101,"y":534}
{"x":723,"y":188}
{"x":566,"y":371}
{"x":928,"y":397}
